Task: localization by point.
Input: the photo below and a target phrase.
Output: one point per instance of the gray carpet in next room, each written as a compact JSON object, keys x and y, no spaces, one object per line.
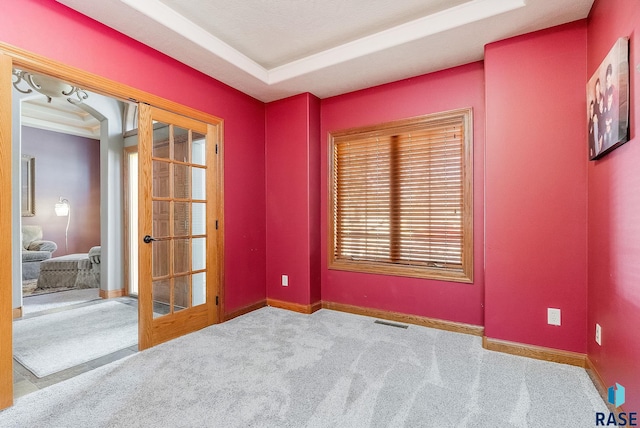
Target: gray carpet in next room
{"x":50,"y":343}
{"x":44,"y":302}
{"x":275,"y":368}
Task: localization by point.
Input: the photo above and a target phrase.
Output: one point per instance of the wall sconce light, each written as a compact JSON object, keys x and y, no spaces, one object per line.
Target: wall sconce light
{"x":48,"y":86}
{"x":63,"y":209}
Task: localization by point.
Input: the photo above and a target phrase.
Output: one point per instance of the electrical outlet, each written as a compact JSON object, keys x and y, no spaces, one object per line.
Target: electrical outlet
{"x":598,"y":334}
{"x":285,"y":280}
{"x":553,"y":316}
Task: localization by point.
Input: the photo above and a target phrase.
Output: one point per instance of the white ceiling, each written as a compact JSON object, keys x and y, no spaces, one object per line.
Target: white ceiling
{"x":271,"y":49}
{"x":59,"y":115}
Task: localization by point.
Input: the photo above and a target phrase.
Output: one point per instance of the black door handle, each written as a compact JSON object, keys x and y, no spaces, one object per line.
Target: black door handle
{"x":147,"y":239}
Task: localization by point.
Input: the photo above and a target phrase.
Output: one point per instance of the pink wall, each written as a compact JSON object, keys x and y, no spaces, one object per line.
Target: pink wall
{"x":614,"y":228}
{"x":292,"y":172}
{"x":536,"y":185}
{"x":66,"y":166}
{"x":315,"y":166}
{"x":47,"y":28}
{"x":459,"y":87}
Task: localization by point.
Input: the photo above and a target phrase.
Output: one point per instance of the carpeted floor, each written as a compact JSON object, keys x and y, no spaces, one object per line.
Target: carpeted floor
{"x":275,"y":368}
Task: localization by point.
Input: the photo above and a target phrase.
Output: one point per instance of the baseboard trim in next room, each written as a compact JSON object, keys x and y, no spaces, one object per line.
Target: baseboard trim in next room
{"x":111,"y":294}
{"x":536,"y":352}
{"x":457,"y":327}
{"x":17,"y":312}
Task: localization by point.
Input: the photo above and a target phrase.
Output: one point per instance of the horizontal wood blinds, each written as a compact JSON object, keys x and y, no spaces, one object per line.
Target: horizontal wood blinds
{"x":399,"y":197}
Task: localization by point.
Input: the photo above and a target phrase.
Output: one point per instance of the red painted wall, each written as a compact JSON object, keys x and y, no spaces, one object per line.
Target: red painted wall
{"x":292,"y":158}
{"x":47,"y":28}
{"x":66,"y":166}
{"x":536,"y":207}
{"x":459,"y":87}
{"x":614,"y":226}
{"x":315,"y":176}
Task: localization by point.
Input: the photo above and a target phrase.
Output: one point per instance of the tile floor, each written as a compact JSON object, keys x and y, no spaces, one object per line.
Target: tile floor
{"x":25,"y":382}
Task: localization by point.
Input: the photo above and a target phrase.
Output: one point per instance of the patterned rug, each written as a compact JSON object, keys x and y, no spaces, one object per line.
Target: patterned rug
{"x":30,"y":288}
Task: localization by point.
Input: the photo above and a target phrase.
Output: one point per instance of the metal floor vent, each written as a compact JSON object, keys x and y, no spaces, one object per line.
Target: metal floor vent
{"x":391,"y":324}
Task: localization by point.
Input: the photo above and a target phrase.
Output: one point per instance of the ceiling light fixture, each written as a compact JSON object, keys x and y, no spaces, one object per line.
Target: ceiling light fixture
{"x":48,"y":86}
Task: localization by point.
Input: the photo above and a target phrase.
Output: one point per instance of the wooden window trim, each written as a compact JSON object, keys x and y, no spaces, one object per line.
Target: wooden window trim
{"x":463,"y":274}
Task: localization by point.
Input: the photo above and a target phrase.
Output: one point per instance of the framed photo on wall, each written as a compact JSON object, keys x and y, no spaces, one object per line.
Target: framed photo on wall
{"x":608,"y":102}
{"x":27,"y":192}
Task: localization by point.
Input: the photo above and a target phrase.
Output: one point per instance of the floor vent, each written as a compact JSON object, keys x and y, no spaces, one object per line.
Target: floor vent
{"x":391,"y":324}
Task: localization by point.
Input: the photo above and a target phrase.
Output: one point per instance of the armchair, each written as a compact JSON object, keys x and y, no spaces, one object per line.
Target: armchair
{"x":34,"y":251}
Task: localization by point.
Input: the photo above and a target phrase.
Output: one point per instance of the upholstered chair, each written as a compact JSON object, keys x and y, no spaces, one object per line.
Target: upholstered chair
{"x":34,"y":251}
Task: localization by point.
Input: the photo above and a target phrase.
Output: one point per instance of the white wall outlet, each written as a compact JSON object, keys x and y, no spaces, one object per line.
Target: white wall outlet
{"x":553,"y":316}
{"x":598,"y":334}
{"x":285,"y":280}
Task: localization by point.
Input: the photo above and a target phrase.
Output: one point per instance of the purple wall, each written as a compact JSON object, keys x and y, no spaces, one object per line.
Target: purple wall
{"x":66,"y":166}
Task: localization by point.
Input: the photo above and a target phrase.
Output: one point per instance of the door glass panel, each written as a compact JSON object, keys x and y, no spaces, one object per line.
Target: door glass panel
{"x":160,"y":179}
{"x":181,"y":218}
{"x":181,"y":256}
{"x":161,"y":219}
{"x":161,"y":297}
{"x":181,"y":298}
{"x":199,"y":290}
{"x":181,"y":181}
{"x":198,"y":149}
{"x":179,"y":214}
{"x":161,"y":140}
{"x":198,"y":219}
{"x":160,"y":262}
{"x":180,"y":144}
{"x":199,"y":254}
{"x":199,"y":183}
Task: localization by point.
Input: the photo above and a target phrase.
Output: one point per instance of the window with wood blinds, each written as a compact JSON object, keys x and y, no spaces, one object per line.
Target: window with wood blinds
{"x":401,"y":198}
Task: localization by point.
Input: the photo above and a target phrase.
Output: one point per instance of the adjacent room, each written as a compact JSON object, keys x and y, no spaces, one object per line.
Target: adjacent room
{"x":60,"y":255}
{"x":339,"y":213}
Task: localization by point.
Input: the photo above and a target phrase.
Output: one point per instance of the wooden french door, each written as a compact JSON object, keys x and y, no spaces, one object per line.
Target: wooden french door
{"x":179,"y":193}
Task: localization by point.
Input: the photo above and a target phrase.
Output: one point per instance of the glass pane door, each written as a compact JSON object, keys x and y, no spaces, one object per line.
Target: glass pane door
{"x":178,"y":270}
{"x":179,"y":206}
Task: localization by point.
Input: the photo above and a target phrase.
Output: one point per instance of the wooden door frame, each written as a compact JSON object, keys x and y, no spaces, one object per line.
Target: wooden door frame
{"x":10,"y":57}
{"x":6,"y":283}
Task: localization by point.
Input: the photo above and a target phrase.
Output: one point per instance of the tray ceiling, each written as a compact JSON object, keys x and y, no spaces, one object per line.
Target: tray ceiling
{"x":271,"y":49}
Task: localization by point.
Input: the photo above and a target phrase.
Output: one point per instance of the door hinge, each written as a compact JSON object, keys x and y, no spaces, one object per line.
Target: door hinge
{"x":216,"y":300}
{"x":216,"y":224}
{"x":216,"y":149}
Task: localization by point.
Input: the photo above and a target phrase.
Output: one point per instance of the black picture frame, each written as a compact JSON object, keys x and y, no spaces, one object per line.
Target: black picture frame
{"x":608,"y":102}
